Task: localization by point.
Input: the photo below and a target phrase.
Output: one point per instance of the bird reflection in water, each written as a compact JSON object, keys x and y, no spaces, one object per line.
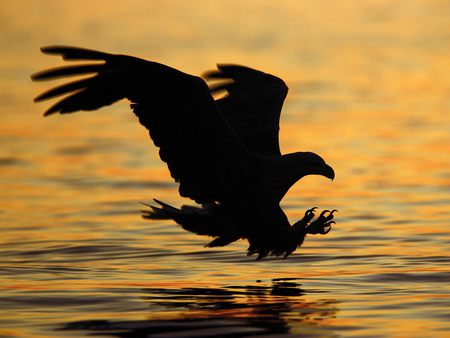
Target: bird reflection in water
{"x":223,"y":152}
{"x":231,"y":311}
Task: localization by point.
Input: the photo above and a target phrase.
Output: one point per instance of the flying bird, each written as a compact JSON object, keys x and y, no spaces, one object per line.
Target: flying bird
{"x":223,"y":152}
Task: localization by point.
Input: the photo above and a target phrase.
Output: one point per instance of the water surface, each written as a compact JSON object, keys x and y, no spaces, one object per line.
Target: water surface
{"x":369,"y":84}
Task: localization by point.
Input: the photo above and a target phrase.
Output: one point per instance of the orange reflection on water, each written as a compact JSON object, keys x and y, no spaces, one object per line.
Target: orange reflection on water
{"x":369,"y":87}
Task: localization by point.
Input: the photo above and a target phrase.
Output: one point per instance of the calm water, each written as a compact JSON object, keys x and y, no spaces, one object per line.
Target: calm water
{"x":369,"y":91}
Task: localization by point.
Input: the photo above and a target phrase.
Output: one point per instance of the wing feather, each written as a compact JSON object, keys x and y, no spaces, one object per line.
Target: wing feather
{"x":252,"y":106}
{"x":64,"y":89}
{"x":67,"y":71}
{"x":75,"y":53}
{"x":202,"y":152}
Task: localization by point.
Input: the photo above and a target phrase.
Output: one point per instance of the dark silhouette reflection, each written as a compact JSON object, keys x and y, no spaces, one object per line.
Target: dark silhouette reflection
{"x":223,"y":152}
{"x":232,"y":311}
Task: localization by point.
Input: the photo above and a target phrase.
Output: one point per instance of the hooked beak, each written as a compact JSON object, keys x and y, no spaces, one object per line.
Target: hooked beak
{"x":328,"y":172}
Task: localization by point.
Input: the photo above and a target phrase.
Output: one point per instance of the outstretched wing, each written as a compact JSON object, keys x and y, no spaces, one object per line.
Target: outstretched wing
{"x":201,"y":150}
{"x":252,"y":106}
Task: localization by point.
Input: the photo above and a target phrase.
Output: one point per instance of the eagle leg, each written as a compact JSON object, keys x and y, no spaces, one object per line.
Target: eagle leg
{"x":295,"y":236}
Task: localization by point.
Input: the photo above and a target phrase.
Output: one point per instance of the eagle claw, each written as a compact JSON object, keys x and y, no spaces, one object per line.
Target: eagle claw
{"x":322,"y":225}
{"x":310,"y":211}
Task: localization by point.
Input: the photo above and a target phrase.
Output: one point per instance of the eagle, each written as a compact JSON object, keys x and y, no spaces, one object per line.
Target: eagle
{"x":223,"y":151}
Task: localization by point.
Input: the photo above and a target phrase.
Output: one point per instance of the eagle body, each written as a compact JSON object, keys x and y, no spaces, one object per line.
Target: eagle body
{"x":224,"y":153}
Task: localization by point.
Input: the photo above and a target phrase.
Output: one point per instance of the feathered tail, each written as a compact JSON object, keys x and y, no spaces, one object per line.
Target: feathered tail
{"x":207,"y":220}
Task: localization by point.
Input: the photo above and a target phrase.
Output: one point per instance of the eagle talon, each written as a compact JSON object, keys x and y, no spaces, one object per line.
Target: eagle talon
{"x":310,"y":212}
{"x":322,"y":214}
{"x":322,"y":225}
{"x":327,"y":227}
{"x":328,"y":217}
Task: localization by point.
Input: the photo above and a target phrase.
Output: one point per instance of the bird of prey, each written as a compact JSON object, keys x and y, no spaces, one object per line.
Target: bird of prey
{"x":223,"y":152}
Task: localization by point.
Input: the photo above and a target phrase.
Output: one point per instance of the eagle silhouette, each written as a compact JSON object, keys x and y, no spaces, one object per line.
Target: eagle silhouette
{"x":224,"y":152}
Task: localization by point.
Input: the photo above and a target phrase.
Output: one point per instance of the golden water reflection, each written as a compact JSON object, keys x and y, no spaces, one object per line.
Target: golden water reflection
{"x":369,"y":84}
